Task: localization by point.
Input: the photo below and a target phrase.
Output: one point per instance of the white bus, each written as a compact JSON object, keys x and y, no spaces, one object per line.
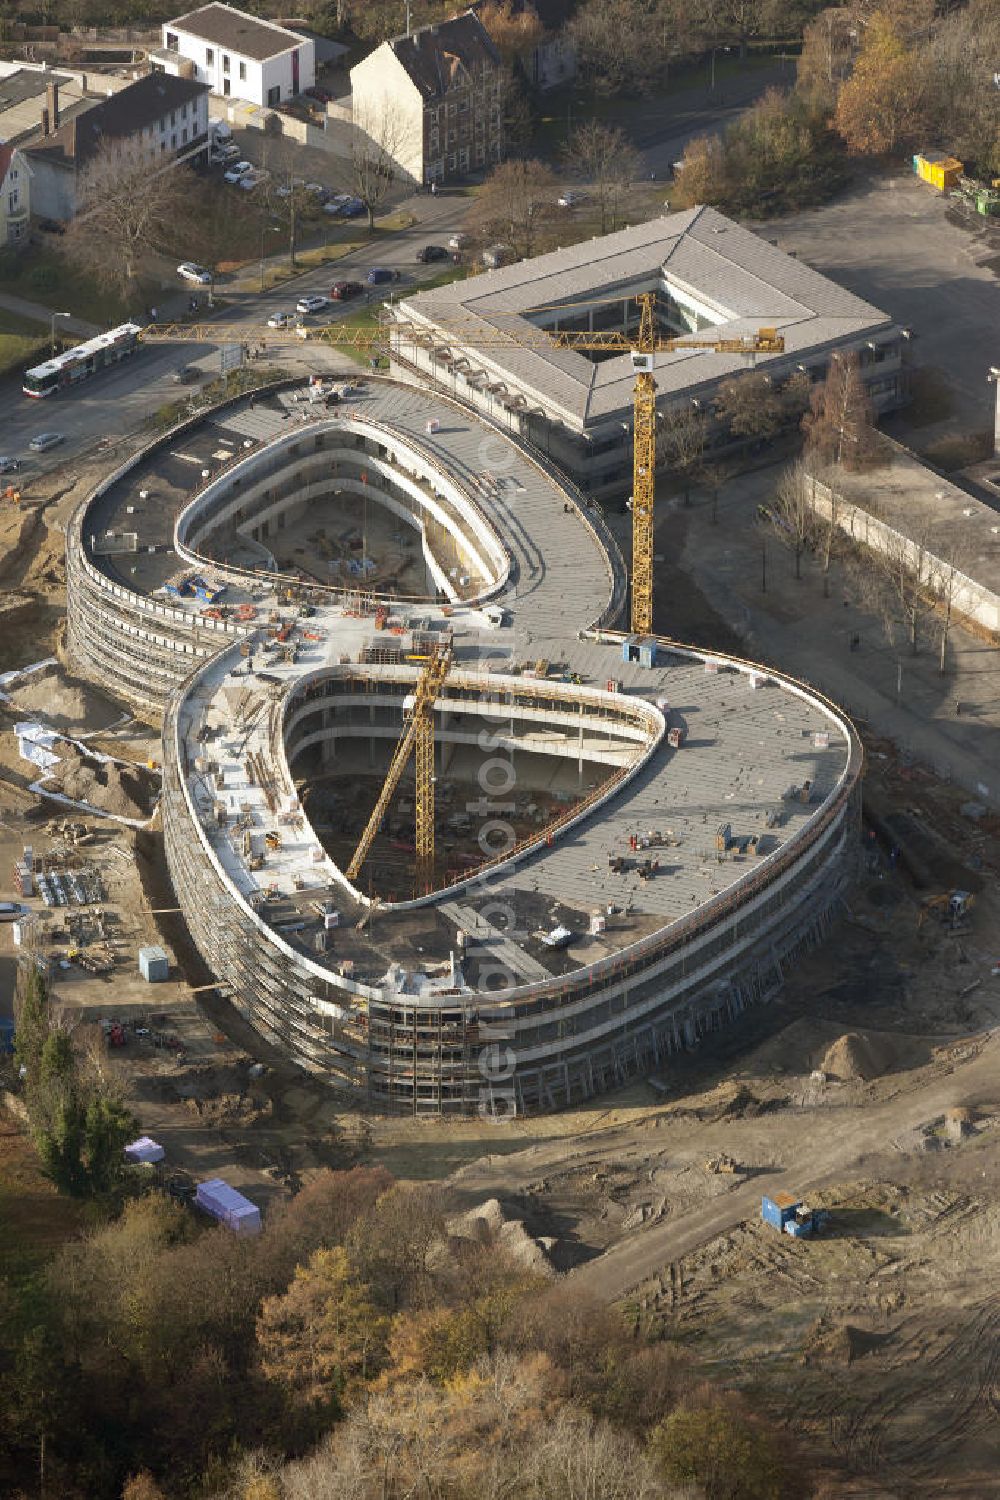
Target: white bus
{"x":82,"y":360}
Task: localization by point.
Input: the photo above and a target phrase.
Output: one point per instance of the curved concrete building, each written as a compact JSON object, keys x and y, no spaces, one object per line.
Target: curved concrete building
{"x":633,"y":837}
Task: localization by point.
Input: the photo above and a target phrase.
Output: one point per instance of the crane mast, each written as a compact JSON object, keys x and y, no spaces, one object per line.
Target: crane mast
{"x":418,"y":736}
{"x":643,"y":470}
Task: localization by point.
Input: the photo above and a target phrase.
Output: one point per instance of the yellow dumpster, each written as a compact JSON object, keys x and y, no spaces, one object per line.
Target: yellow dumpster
{"x":941,"y":171}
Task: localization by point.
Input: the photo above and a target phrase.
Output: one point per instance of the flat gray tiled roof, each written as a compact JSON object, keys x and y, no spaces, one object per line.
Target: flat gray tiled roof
{"x":747,"y":282}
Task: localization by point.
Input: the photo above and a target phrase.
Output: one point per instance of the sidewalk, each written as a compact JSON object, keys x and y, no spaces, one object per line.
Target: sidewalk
{"x":36,"y":313}
{"x":949,"y":722}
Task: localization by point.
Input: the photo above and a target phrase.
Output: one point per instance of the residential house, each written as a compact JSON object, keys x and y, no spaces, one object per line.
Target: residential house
{"x":548,"y":57}
{"x":15,"y":195}
{"x":434,"y":100}
{"x":238,"y":55}
{"x":166,"y":117}
{"x":25,"y":96}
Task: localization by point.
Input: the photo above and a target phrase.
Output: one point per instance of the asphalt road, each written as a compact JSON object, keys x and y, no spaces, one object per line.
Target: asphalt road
{"x":119,"y":400}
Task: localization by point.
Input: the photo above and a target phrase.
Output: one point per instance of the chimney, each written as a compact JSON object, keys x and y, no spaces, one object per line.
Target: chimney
{"x":46,"y":128}
{"x":52,"y":92}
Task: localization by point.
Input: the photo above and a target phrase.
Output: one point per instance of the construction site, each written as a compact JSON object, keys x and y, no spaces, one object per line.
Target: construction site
{"x":457,"y":865}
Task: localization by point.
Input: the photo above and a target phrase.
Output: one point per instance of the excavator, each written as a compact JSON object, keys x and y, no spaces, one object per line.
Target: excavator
{"x":953,"y":908}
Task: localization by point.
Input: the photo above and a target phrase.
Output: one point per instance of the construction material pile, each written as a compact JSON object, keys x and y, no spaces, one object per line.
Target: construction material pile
{"x":854,"y":1056}
{"x":121,"y":790}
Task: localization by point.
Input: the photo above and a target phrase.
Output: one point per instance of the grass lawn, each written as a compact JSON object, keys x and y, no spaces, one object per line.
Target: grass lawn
{"x":569,"y":106}
{"x":36,"y":1219}
{"x":22,"y":342}
{"x":47,"y":278}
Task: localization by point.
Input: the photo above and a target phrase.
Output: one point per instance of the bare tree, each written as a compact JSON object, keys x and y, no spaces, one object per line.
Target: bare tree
{"x":516,"y":204}
{"x":750,"y":405}
{"x":793,"y":516}
{"x":946,"y":578}
{"x":681,"y":440}
{"x":605,"y":158}
{"x":129,"y":208}
{"x":381,"y":147}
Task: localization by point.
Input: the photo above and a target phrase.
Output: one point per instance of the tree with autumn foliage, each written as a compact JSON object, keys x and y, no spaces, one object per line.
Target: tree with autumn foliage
{"x":840,"y":423}
{"x":882,"y":107}
{"x":322,"y":1339}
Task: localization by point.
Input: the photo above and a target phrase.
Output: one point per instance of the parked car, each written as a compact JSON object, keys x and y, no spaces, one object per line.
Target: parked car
{"x":229,"y":152}
{"x":9,"y":465}
{"x":459,"y":241}
{"x":252,"y":179}
{"x":185,"y":375}
{"x":317,"y":190}
{"x":378,"y":274}
{"x":237,"y":170}
{"x":499,"y":255}
{"x":43,"y":441}
{"x":432,"y":252}
{"x":572,"y":196}
{"x":312,"y":304}
{"x":342,"y":291}
{"x":353,"y":208}
{"x":191,"y":271}
{"x":322,"y":95}
{"x":281,"y":320}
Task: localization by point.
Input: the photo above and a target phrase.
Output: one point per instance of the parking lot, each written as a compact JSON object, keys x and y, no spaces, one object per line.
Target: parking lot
{"x":896,"y":242}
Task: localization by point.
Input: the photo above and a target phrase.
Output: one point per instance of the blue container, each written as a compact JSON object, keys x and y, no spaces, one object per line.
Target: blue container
{"x":778,"y":1210}
{"x":6,"y":1034}
{"x":154,"y":966}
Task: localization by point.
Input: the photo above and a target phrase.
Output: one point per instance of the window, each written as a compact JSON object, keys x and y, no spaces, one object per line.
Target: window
{"x":226,"y":86}
{"x":184,"y":136}
{"x":243,"y":72}
{"x":173,"y":117}
{"x":173,"y":141}
{"x":225,"y":63}
{"x":274,"y":95}
{"x":209,"y":56}
{"x":171,"y":41}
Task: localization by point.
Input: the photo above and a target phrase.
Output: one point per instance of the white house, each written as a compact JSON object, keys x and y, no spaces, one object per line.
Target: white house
{"x":238,"y":55}
{"x":15,"y":199}
{"x":434,"y":99}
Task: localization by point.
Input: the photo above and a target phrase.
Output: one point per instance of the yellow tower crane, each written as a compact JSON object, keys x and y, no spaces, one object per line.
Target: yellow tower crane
{"x":418,"y":736}
{"x":642,"y":347}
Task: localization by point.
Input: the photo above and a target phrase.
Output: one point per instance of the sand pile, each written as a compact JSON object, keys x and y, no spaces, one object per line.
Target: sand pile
{"x":487,"y":1224}
{"x":841,"y":1343}
{"x":855,"y":1056}
{"x":62,"y":703}
{"x":123,"y":791}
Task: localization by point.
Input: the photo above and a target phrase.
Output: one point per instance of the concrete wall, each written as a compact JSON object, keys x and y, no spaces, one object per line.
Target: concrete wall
{"x":974,"y":600}
{"x":388,"y":108}
{"x":53,"y":191}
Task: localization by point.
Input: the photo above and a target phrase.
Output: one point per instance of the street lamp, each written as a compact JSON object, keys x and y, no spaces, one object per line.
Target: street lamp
{"x":266,"y":229}
{"x":52,"y":329}
{"x":714,"y":51}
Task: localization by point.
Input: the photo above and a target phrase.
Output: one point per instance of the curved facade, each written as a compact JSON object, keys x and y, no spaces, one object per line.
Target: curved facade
{"x":657,"y":829}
